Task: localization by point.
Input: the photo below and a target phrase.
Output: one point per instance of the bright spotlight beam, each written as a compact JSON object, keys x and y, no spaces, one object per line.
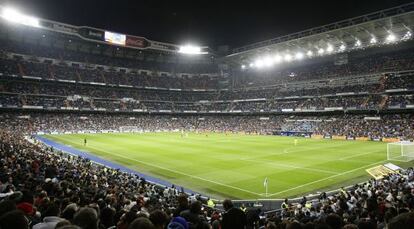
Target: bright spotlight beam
{"x":288,"y":57}
{"x":191,"y":49}
{"x":299,"y":56}
{"x":268,"y":61}
{"x":391,"y":38}
{"x":321,"y":51}
{"x":259,"y":63}
{"x":15,"y":16}
{"x":329,"y":48}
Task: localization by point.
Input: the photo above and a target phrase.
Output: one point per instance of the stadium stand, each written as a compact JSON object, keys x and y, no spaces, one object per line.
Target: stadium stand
{"x":46,"y":89}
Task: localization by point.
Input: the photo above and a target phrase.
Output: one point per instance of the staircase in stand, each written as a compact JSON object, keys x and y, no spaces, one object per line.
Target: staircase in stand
{"x":383,"y":102}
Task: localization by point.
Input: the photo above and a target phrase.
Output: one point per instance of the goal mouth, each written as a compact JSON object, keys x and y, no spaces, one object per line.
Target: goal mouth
{"x":400,"y":151}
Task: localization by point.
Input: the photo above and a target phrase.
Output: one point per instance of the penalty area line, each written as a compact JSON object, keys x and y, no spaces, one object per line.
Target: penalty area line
{"x":326,"y":178}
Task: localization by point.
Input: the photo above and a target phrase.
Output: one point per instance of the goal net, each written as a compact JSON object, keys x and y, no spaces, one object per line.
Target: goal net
{"x":129,"y":129}
{"x":400,"y":151}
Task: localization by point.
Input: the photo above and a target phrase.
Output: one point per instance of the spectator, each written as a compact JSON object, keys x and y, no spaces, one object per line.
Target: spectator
{"x":233,"y":218}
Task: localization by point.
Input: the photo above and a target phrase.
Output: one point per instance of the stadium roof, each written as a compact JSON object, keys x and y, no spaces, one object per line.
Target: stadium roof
{"x":97,"y":35}
{"x":378,"y":28}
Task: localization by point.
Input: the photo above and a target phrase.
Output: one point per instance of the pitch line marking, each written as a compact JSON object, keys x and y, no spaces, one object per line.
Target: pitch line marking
{"x":291,"y":166}
{"x":326,"y":178}
{"x":185,"y":174}
{"x":356,"y":155}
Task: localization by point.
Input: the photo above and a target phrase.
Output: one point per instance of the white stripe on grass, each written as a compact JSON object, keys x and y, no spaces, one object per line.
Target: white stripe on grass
{"x":358,"y":155}
{"x":326,"y":178}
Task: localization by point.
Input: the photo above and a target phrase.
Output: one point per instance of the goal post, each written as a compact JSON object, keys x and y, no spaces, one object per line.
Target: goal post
{"x":400,"y":151}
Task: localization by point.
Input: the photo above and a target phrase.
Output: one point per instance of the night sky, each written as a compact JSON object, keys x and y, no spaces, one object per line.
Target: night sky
{"x":211,"y":23}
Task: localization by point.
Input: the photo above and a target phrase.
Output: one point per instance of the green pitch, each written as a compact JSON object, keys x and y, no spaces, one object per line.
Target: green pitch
{"x":236,"y":165}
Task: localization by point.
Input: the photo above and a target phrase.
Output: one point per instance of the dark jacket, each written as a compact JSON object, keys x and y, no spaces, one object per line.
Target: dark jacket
{"x":234,"y":219}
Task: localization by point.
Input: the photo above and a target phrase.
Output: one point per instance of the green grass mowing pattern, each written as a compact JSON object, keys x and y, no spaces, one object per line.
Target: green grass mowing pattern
{"x":236,"y":165}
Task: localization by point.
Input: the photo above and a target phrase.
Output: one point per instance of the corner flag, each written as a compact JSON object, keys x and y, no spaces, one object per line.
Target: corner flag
{"x":265,"y":184}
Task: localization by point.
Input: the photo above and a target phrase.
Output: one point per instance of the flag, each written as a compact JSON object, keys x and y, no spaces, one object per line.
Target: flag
{"x":265,"y":182}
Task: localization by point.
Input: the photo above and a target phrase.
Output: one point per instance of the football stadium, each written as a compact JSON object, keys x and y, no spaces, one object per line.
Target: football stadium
{"x":108,"y":129}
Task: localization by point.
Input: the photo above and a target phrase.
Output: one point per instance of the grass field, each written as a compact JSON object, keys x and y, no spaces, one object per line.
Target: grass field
{"x":236,"y":165}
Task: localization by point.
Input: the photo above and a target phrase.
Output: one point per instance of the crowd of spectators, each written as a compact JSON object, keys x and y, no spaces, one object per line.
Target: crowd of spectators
{"x":397,"y":61}
{"x":399,"y":126}
{"x":63,"y":71}
{"x":375,"y":204}
{"x":50,"y":94}
{"x":43,"y":188}
{"x":198,"y":65}
{"x":358,"y":65}
{"x":384,"y":126}
{"x":365,"y":102}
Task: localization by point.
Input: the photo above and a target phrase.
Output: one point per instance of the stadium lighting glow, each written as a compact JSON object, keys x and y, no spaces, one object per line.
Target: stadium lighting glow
{"x":243,"y":66}
{"x":267,"y":61}
{"x":309,"y":53}
{"x":391,"y":38}
{"x":407,"y":36}
{"x":299,"y":56}
{"x":288,"y":57}
{"x":258,"y":63}
{"x":321,"y":51}
{"x":277,"y":59}
{"x":357,"y":43}
{"x":373,"y":40}
{"x":15,"y":16}
{"x":329,"y":48}
{"x":190,"y":49}
{"x":342,"y":47}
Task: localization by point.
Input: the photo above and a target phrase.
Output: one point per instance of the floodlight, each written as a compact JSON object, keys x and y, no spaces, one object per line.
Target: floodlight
{"x":267,"y":61}
{"x":391,"y":38}
{"x":342,"y":47}
{"x":299,"y":56}
{"x":329,"y":48}
{"x":251,"y":65}
{"x":243,"y":66}
{"x":277,"y":59}
{"x":373,"y":40}
{"x":190,"y":49}
{"x":321,"y":51}
{"x":258,"y":63}
{"x":407,"y":36}
{"x":357,"y":43}
{"x":15,"y":16}
{"x":288,"y":57}
{"x":309,"y":53}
